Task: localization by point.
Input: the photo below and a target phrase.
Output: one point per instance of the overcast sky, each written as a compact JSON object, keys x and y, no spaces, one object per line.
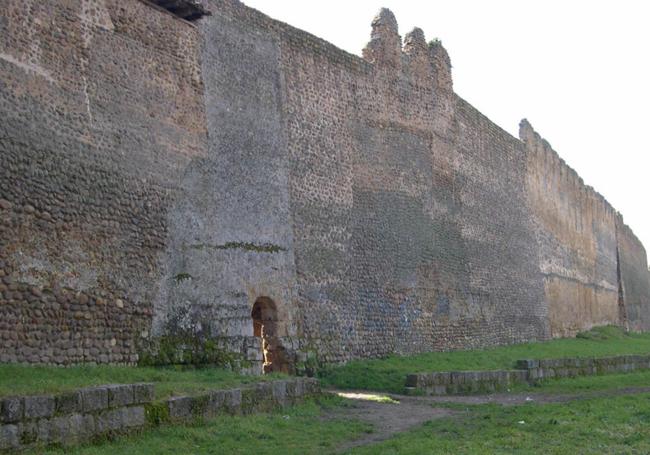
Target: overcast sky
{"x":579,"y":71}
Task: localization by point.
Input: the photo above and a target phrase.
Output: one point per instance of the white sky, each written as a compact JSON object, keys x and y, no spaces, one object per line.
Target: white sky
{"x":578,"y":70}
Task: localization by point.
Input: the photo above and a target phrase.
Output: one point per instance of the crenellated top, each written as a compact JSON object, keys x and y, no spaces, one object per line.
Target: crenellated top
{"x":441,"y":65}
{"x":425,"y":61}
{"x":385,"y":46}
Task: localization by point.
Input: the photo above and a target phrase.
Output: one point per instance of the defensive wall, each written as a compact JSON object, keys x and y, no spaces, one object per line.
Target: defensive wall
{"x":160,"y":176}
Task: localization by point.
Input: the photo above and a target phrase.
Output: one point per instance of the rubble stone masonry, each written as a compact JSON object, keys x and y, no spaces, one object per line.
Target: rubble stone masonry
{"x":160,"y":176}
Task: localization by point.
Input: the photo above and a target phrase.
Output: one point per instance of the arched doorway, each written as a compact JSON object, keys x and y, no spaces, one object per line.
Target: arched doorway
{"x":265,"y":326}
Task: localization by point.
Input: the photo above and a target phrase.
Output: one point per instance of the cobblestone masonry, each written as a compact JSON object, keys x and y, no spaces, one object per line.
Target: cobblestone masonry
{"x":158,"y":176}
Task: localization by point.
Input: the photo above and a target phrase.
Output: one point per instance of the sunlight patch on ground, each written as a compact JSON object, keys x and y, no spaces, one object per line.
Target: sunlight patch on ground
{"x":368,"y":397}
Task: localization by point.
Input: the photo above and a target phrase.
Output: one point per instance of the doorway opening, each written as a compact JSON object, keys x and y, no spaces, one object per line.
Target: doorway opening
{"x":265,"y":326}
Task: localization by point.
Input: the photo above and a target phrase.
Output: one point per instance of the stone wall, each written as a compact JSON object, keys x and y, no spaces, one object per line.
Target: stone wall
{"x":634,"y":284}
{"x":261,"y":397}
{"x":73,"y":417}
{"x":573,"y":367}
{"x":102,"y":111}
{"x":159,"y":178}
{"x":576,"y":230}
{"x":407,"y":206}
{"x":463,"y":382}
{"x":70,"y":418}
{"x":526,"y":372}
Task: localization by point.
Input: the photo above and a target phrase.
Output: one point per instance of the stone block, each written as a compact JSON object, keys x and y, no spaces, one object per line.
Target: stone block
{"x":143,"y":393}
{"x":94,"y":399}
{"x":11,"y":409}
{"x":9,"y":437}
{"x":233,"y":400}
{"x":81,"y":428}
{"x":134,"y":417}
{"x":110,"y":421}
{"x":120,"y":395}
{"x":280,"y":392}
{"x":312,"y":385}
{"x":262,"y":397}
{"x":216,"y":403}
{"x":55,"y":430}
{"x":247,"y":397}
{"x":518,"y":376}
{"x":526,"y":364}
{"x":37,"y":407}
{"x":443,"y":378}
{"x":180,"y":408}
{"x":68,"y":403}
{"x":28,"y":433}
{"x":440,"y":390}
{"x":458,"y":377}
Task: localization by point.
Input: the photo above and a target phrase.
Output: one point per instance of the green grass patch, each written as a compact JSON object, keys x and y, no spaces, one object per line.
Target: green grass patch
{"x":298,"y":430}
{"x":389,"y":374}
{"x":169,"y":381}
{"x":595,"y":426}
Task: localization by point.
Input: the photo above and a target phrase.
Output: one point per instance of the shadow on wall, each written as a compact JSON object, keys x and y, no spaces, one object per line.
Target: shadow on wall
{"x":265,"y":326}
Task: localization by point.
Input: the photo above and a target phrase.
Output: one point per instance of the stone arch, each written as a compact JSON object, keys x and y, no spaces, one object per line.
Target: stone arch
{"x":266,"y":326}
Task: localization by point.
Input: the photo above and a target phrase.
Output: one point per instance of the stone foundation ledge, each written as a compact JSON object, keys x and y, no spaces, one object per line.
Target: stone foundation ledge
{"x":463,"y":382}
{"x":261,"y":397}
{"x":528,"y":371}
{"x":71,"y":418}
{"x":74,"y":417}
{"x":573,"y":367}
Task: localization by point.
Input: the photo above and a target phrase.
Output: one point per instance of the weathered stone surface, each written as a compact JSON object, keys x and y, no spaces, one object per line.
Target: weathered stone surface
{"x":261,"y":397}
{"x":120,"y":395}
{"x":9,"y":437}
{"x":94,"y":399}
{"x":143,"y":393}
{"x":529,"y":370}
{"x":109,"y":421}
{"x":11,"y":409}
{"x":68,"y":403}
{"x":133,"y":417}
{"x":279,"y":392}
{"x":233,"y":401}
{"x":39,"y":406}
{"x":71,"y":417}
{"x":378,"y":210}
{"x":180,"y":408}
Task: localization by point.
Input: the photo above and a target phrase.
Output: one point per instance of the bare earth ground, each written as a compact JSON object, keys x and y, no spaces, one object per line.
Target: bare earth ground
{"x":388,"y":419}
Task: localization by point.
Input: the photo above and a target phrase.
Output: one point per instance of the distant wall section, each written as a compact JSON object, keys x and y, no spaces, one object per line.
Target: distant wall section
{"x":581,"y":241}
{"x":634,"y":278}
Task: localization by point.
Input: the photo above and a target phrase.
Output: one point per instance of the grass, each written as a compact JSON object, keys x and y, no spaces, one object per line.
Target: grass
{"x":389,"y":374}
{"x":595,"y":426}
{"x":298,"y":430}
{"x":169,"y":381}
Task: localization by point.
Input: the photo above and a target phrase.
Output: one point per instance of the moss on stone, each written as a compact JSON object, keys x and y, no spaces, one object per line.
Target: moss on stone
{"x":156,"y":413}
{"x":187,"y":350}
{"x":246,"y":246}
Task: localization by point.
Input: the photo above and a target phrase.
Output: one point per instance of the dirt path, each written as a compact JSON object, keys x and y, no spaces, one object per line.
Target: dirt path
{"x":388,"y":419}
